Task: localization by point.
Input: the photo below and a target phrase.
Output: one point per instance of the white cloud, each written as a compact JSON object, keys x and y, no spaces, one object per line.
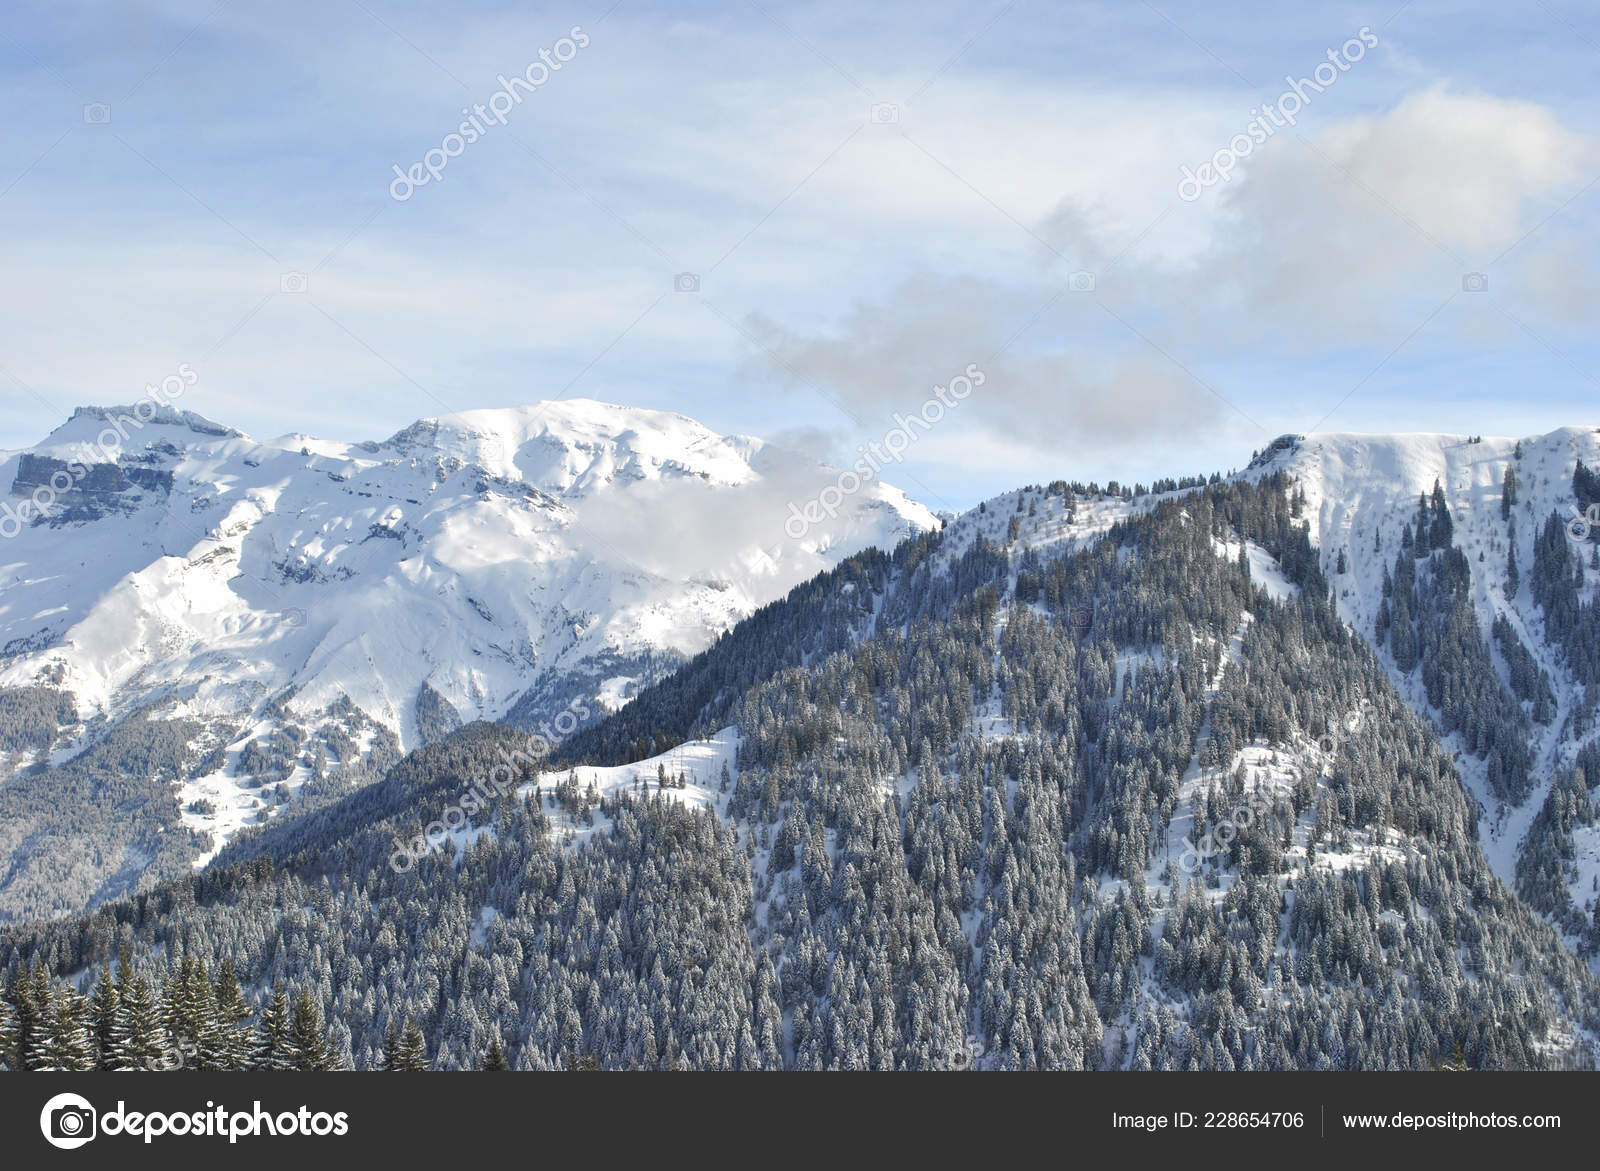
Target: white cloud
{"x":1350,"y":238}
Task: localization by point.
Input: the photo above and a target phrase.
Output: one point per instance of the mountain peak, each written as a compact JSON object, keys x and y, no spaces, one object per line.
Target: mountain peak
{"x":496,"y":561}
{"x":145,"y":413}
{"x":573,"y":444}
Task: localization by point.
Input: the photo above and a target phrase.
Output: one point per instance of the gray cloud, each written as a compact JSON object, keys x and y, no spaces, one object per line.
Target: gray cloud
{"x":1077,"y":379}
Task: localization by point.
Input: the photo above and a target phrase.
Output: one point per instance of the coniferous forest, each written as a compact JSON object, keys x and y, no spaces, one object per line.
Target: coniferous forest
{"x":965,"y":824}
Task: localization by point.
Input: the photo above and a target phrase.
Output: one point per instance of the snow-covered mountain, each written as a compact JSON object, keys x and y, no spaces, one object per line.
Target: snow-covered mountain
{"x":326,"y":600}
{"x":1361,"y":492}
{"x":1089,"y":778}
{"x":301,"y":612}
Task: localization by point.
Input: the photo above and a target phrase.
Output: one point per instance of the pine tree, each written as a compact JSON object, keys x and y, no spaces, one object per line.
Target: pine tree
{"x":307,"y":1043}
{"x":1441,"y":530}
{"x":8,"y":1035}
{"x":66,"y":1043}
{"x":139,"y":1041}
{"x":103,"y":1012}
{"x":272,"y":1049}
{"x":411,"y":1055}
{"x":203,"y":1033}
{"x":174,"y":987}
{"x":495,"y":1059}
{"x":233,"y":1015}
{"x":1585,"y":485}
{"x":391,"y":1050}
{"x":33,"y":1011}
{"x":124,"y":975}
{"x":24,"y":1020}
{"x":188,"y":1010}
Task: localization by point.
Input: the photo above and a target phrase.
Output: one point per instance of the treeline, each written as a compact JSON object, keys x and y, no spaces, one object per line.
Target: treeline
{"x":1428,"y":620}
{"x":128,"y":1023}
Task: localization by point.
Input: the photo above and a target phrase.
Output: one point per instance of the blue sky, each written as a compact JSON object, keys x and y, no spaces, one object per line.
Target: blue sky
{"x":872,"y":198}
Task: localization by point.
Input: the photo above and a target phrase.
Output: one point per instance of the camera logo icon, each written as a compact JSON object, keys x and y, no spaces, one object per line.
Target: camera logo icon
{"x":883,"y":113}
{"x":686,"y":282}
{"x":1475,"y":282}
{"x":292,"y":282}
{"x":68,"y":1122}
{"x":1583,"y":523}
{"x":97,"y":113}
{"x":1081,"y":282}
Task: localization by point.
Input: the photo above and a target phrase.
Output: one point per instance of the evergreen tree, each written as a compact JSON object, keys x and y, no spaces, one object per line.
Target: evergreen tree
{"x":8,"y":1035}
{"x":66,"y":1041}
{"x":1441,"y":533}
{"x":24,"y":1021}
{"x":233,"y":1016}
{"x":1513,"y":575}
{"x":495,"y":1058}
{"x":411,"y":1055}
{"x":139,"y":1040}
{"x":307,"y":1043}
{"x":204,"y":1035}
{"x":103,"y":1007}
{"x":391,"y":1050}
{"x":1585,"y":486}
{"x":273,"y":1050}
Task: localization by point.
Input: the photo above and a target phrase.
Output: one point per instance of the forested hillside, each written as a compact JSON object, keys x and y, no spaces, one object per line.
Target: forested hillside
{"x":1141,"y":801}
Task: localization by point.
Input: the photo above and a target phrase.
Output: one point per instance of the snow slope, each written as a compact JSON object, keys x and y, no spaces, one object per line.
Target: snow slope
{"x":1360,"y":492}
{"x":694,"y":771}
{"x":559,"y":553}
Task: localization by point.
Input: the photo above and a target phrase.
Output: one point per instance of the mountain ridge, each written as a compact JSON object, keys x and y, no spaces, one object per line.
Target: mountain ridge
{"x":1361,"y":491}
{"x":300,"y":598}
{"x":1096,"y":806}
